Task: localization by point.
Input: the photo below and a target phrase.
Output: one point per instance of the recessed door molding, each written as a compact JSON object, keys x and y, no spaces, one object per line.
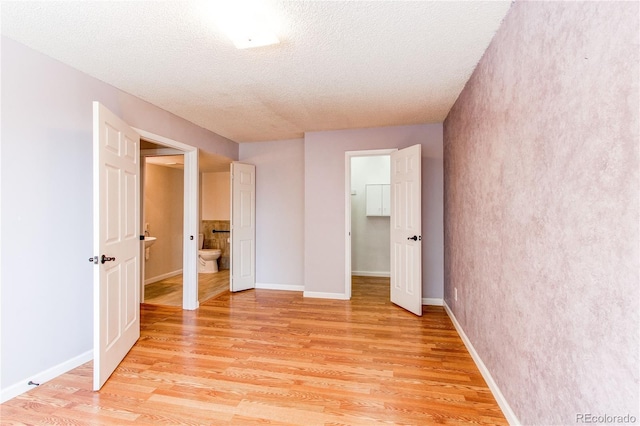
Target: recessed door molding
{"x":191,"y":214}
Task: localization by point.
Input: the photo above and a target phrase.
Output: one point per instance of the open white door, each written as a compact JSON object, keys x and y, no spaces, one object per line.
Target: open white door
{"x":243,"y":226}
{"x":116,"y":242}
{"x":406,"y":225}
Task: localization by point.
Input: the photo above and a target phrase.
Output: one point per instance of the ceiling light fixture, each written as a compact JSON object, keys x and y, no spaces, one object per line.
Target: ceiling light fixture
{"x":248,"y":23}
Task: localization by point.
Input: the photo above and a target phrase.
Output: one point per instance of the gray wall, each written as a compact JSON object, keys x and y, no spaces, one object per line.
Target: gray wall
{"x":541,"y":206}
{"x":46,"y":198}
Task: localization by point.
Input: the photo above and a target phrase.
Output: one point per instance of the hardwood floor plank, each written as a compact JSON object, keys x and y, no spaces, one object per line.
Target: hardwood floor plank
{"x":276,"y":358}
{"x":168,"y":292}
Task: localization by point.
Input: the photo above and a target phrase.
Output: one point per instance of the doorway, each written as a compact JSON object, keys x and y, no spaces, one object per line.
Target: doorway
{"x":159,"y":146}
{"x":215,"y":230}
{"x":405,"y":235}
{"x":173,"y":289}
{"x":367,"y":246}
{"x":370,"y":214}
{"x":162,"y":196}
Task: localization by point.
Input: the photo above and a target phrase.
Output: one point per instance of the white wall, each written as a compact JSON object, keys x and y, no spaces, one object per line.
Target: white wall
{"x":279,"y":211}
{"x":215,"y":196}
{"x":324,"y":209}
{"x":46,"y":196}
{"x":370,"y":242}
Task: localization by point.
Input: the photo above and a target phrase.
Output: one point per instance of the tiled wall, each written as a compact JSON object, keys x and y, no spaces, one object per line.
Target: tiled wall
{"x":218,"y":240}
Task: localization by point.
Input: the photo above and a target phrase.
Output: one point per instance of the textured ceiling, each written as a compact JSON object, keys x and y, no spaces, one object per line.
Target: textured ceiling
{"x":340,"y":64}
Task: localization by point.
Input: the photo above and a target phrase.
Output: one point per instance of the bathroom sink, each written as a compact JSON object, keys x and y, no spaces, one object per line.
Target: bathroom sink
{"x":148,"y":241}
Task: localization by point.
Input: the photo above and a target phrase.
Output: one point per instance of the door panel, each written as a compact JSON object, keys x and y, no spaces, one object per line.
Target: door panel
{"x":406,"y":219}
{"x":243,"y":226}
{"x":246,"y":249}
{"x":130,"y":209}
{"x":131,"y":294}
{"x":116,"y":236}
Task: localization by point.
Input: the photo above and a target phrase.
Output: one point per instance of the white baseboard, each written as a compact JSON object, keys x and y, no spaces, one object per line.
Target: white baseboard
{"x":162,"y":277}
{"x":286,"y":287}
{"x":44,"y":376}
{"x":341,"y":296}
{"x":385,"y":274}
{"x":320,"y":295}
{"x":495,"y":390}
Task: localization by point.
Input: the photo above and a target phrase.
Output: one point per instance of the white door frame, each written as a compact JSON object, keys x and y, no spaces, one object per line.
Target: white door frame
{"x":348,"y":155}
{"x":191,"y":218}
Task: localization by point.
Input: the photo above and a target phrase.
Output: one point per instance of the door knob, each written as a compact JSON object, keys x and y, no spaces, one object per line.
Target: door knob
{"x":107,"y":259}
{"x":415,"y":238}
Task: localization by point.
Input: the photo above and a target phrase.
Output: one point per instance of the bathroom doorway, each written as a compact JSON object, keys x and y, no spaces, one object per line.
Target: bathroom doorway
{"x":214,"y":249}
{"x":163,"y":226}
{"x":155,"y":145}
{"x":165,"y":285}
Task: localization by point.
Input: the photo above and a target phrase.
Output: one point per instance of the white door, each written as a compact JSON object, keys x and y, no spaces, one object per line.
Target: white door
{"x":243,"y":226}
{"x":406,"y":225}
{"x":116,"y":242}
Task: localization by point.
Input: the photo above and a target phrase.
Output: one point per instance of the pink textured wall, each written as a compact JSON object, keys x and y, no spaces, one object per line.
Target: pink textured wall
{"x":541,"y":210}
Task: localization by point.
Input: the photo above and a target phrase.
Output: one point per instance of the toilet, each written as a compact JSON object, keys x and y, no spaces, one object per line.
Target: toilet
{"x":207,"y":258}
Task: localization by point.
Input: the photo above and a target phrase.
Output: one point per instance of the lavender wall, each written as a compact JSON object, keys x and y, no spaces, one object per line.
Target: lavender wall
{"x":46,"y":196}
{"x":279,"y":211}
{"x":324,"y":209}
{"x":541,"y":205}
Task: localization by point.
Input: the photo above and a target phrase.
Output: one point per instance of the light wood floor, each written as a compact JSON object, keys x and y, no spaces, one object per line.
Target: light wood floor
{"x":169,"y":291}
{"x":274,"y":357}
